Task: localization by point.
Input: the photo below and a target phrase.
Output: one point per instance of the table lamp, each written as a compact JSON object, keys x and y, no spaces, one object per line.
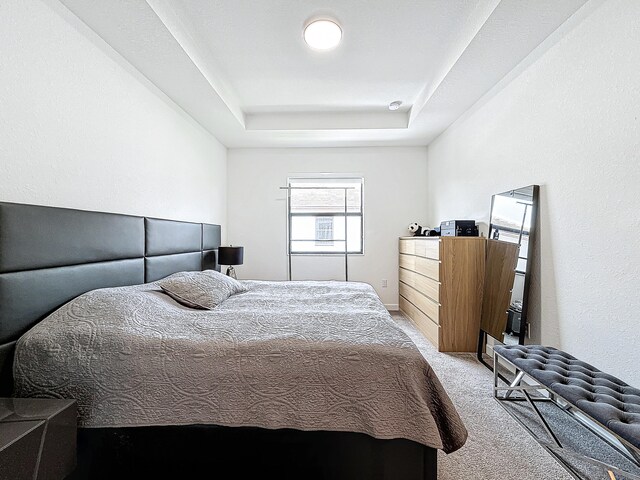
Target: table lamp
{"x":230,"y":256}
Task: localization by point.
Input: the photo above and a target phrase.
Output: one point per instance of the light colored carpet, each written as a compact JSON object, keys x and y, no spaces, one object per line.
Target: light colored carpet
{"x":498,"y":447}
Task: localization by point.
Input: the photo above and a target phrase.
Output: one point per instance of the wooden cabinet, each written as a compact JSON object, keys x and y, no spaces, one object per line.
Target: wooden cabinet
{"x":441,"y":284}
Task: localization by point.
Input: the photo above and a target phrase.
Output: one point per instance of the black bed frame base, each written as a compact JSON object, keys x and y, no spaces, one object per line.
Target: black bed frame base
{"x":247,"y":453}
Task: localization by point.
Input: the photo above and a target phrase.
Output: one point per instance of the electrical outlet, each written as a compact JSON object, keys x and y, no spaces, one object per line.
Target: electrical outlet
{"x":384,"y":283}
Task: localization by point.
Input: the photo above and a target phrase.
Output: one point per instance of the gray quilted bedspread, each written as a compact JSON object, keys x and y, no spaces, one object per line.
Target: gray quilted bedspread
{"x":303,"y":355}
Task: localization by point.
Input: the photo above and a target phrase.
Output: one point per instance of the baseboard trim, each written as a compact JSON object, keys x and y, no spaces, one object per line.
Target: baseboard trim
{"x":392,"y":307}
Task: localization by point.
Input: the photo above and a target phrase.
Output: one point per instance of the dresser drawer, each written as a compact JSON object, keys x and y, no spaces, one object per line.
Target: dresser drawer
{"x":427,"y":266}
{"x":407,"y":246}
{"x":422,"y":284}
{"x":407,"y":261}
{"x":424,"y":323}
{"x":426,"y":305}
{"x":428,"y":248}
{"x":424,"y":266}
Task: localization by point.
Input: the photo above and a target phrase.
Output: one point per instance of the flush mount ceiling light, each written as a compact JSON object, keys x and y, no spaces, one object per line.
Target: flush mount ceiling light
{"x":322,"y":34}
{"x":395,"y":105}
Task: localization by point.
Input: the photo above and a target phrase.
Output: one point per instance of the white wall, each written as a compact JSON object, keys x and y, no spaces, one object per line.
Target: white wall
{"x":78,"y":129}
{"x":570,"y":123}
{"x":394,"y":196}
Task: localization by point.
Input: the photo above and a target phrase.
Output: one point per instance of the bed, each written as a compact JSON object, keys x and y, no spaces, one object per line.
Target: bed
{"x":318,"y":369}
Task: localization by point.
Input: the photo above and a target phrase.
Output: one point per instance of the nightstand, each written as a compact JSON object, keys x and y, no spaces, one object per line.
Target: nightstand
{"x":37,"y":438}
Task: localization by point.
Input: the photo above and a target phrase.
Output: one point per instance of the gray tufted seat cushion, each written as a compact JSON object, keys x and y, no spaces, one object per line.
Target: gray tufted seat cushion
{"x":603,"y":397}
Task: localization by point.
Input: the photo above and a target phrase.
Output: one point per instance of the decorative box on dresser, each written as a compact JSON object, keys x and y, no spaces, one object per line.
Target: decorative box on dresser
{"x":441,"y":285}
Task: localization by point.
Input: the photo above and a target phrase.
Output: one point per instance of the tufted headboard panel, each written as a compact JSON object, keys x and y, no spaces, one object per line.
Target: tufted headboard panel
{"x":51,"y":255}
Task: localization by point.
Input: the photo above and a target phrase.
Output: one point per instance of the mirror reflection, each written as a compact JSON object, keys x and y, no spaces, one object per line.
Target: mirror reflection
{"x":512,"y":221}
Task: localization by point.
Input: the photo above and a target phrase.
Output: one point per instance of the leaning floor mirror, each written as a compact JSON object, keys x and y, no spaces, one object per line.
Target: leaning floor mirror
{"x":508,"y":267}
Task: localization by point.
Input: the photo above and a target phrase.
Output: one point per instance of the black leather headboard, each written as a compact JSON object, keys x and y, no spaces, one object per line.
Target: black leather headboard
{"x":50,"y":255}
{"x":170,"y":247}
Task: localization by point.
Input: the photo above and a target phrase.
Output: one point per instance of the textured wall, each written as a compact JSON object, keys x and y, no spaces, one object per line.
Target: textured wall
{"x":570,"y":123}
{"x":394,"y":196}
{"x":79,"y":130}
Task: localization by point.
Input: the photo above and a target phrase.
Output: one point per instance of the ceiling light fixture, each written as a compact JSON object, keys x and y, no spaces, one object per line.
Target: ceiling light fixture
{"x":322,"y":34}
{"x":395,"y":105}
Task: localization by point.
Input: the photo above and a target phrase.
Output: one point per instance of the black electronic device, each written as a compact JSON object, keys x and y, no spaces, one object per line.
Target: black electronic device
{"x":514,"y":319}
{"x":459,"y":228}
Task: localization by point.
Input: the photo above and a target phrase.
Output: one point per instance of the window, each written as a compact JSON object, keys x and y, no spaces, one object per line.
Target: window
{"x":317,"y":215}
{"x":324,"y":231}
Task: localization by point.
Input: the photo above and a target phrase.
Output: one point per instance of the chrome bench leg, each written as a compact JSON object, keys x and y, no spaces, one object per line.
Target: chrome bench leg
{"x":515,"y":383}
{"x":546,"y":426}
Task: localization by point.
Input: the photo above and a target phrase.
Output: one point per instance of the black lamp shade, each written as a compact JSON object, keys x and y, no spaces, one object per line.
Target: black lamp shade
{"x":230,"y":255}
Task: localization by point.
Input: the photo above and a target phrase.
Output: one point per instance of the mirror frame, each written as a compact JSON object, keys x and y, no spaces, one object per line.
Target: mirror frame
{"x":524,"y":322}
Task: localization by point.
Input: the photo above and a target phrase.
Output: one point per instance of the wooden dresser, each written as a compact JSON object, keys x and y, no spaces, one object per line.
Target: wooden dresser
{"x":441,"y":284}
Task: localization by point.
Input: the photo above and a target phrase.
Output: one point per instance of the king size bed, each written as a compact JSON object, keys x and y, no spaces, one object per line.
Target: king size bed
{"x":277,"y":377}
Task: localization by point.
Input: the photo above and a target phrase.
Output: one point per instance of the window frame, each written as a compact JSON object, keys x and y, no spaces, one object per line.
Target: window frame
{"x":320,"y":178}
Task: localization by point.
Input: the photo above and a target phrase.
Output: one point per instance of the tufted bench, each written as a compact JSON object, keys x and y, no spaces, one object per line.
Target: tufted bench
{"x":604,"y":398}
